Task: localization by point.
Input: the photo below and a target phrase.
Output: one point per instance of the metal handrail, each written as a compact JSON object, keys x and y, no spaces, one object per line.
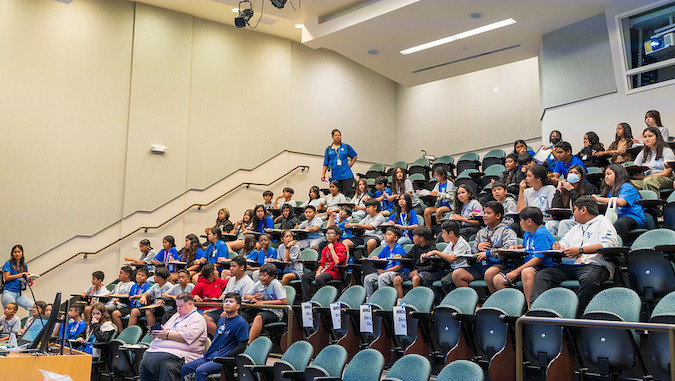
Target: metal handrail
{"x":146,"y":228}
{"x":590,"y":324}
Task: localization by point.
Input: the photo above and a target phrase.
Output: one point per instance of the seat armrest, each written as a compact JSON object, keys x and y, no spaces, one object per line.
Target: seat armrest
{"x":511,"y":320}
{"x":420,"y":315}
{"x":463,"y":317}
{"x":383,"y":313}
{"x":614,"y":251}
{"x":328,"y":379}
{"x":293,"y":374}
{"x":260,"y":368}
{"x":225,"y":360}
{"x":352,"y":312}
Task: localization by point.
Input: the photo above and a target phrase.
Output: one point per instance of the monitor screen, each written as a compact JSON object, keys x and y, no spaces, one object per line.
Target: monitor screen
{"x":34,"y":329}
{"x":46,"y":332}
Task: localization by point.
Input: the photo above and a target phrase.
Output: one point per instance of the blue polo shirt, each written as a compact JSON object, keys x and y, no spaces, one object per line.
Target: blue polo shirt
{"x":200,"y":254}
{"x":343,"y":154}
{"x":562,"y":168}
{"x":401,"y":220}
{"x":12,"y":285}
{"x":215,"y":251}
{"x":267,"y":224}
{"x":632,"y":209}
{"x":255,"y":256}
{"x":73,"y":329}
{"x":388,"y":254}
{"x":138,"y":290}
{"x":385,"y":204}
{"x":540,"y":240}
{"x":164,"y":256}
{"x":229,"y":334}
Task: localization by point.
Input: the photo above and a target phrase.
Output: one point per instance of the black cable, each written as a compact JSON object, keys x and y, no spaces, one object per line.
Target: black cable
{"x":25,"y":278}
{"x":262,"y":7}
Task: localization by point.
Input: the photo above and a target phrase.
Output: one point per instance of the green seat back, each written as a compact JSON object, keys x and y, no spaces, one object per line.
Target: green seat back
{"x":422,"y":161}
{"x":666,"y":306}
{"x":365,"y":366}
{"x":562,"y":301}
{"x":594,"y":170}
{"x":130,"y":335}
{"x":147,"y":338}
{"x":620,"y":301}
{"x":469,"y":156}
{"x":495,"y":170}
{"x":400,"y":164}
{"x":411,"y":367}
{"x":509,"y":300}
{"x":325,"y":296}
{"x":495,"y":153}
{"x":290,"y":295}
{"x":419,"y":297}
{"x":417,"y":177}
{"x":353,"y":296}
{"x":653,"y":238}
{"x":309,"y":255}
{"x":447,"y":159}
{"x":332,"y":359}
{"x":259,"y":349}
{"x":384,"y":297}
{"x":646,"y":194}
{"x":462,"y":299}
{"x":441,"y":246}
{"x":111,"y":286}
{"x":671,"y":198}
{"x":407,"y":247}
{"x":377,"y":167}
{"x":461,"y":370}
{"x":465,"y":173}
{"x":298,"y":355}
{"x":375,"y":252}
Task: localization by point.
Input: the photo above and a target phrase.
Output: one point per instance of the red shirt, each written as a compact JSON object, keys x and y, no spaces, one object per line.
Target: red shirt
{"x":207,"y":289}
{"x":327,"y":259}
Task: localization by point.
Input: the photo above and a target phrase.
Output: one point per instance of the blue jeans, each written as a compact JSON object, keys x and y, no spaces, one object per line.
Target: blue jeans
{"x":18,"y":298}
{"x":201,"y":368}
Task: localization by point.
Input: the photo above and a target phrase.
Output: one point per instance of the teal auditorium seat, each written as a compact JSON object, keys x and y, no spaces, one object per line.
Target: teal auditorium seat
{"x":410,"y":368}
{"x":461,"y":370}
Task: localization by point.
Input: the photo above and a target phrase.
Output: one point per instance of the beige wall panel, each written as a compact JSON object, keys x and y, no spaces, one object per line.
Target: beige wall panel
{"x":465,"y":113}
{"x":159,"y":109}
{"x":329,"y":92}
{"x":64,"y":72}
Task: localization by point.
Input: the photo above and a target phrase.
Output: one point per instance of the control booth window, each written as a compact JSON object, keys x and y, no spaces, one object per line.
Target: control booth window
{"x":649,"y":46}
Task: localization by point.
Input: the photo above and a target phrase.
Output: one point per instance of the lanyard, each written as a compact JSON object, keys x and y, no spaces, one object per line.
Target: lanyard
{"x":95,"y":291}
{"x":180,"y":320}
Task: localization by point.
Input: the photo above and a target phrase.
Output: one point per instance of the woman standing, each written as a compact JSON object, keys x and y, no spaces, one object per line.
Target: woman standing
{"x":340,"y":158}
{"x":13,"y":270}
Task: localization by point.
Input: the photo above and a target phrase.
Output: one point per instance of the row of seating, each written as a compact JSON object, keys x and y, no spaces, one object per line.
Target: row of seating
{"x":455,"y":330}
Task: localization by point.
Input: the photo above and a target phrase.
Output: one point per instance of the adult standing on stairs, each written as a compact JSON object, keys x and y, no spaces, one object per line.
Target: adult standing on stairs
{"x":339,"y":158}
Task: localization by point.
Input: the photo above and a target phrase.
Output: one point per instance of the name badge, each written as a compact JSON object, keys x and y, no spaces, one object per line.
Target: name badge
{"x":339,"y":162}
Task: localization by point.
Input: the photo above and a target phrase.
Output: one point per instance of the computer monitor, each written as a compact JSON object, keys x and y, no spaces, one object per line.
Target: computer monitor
{"x":46,"y":332}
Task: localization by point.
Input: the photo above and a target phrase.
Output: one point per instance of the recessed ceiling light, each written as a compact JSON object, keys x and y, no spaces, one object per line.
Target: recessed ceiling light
{"x":235,"y":10}
{"x":476,"y":15}
{"x":459,"y":36}
{"x":373,"y":52}
{"x":298,"y":26}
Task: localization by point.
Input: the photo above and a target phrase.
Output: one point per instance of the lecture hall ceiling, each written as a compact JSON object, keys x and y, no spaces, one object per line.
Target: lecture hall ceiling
{"x":355,"y":27}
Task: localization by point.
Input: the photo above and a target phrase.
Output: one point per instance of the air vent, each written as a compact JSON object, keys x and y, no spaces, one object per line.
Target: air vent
{"x":466,"y":58}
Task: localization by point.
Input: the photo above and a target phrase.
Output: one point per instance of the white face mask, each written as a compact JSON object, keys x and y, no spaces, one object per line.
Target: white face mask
{"x":573,"y":178}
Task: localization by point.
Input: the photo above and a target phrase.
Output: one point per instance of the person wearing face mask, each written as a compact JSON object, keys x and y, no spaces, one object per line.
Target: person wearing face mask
{"x":569,"y":189}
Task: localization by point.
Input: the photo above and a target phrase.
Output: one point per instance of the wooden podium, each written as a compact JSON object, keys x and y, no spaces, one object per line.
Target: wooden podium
{"x":24,"y":366}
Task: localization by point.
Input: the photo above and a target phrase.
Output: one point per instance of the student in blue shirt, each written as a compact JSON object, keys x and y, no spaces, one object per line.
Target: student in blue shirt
{"x":230,"y":340}
{"x":75,"y":323}
{"x":261,"y":220}
{"x":536,"y":238}
{"x":339,"y":158}
{"x":385,"y":277}
{"x":168,"y":251}
{"x":382,"y":194}
{"x":135,"y":293}
{"x":444,"y":190}
{"x":405,"y":218}
{"x":14,"y":269}
{"x":617,"y":184}
{"x":216,"y":252}
{"x":563,"y":151}
{"x":266,"y":251}
{"x":250,"y":253}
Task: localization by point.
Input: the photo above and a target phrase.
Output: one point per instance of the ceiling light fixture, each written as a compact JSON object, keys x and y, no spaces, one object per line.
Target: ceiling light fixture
{"x":244,"y":14}
{"x":298,"y":26}
{"x":459,"y":36}
{"x":278,"y":3}
{"x":235,"y":10}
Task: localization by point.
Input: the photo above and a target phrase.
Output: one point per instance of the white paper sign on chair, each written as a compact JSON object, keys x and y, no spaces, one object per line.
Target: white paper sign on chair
{"x":336,"y":315}
{"x":366,"y":319}
{"x":307,"y":315}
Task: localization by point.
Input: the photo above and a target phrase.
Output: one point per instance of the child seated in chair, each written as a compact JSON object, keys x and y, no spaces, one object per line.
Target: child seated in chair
{"x":9,"y":323}
{"x":75,"y":324}
{"x":372,"y":237}
{"x":312,"y":225}
{"x":97,"y":289}
{"x":266,"y":291}
{"x":444,"y":190}
{"x":161,"y":288}
{"x":391,"y":250}
{"x":135,"y":293}
{"x":122,"y":288}
{"x":423,"y":239}
{"x":334,"y":254}
{"x":287,"y":196}
{"x":382,"y":193}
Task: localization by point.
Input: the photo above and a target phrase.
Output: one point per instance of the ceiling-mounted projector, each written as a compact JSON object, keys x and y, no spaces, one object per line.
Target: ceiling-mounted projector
{"x":657,"y":44}
{"x":278,"y":3}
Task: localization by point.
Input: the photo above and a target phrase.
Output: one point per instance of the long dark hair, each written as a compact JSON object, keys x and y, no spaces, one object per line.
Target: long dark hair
{"x":620,"y":177}
{"x":21,"y":265}
{"x":579,"y":186}
{"x":656,"y":115}
{"x":595,"y":141}
{"x":519,"y":141}
{"x":408,"y":205}
{"x":627,"y":136}
{"x":398,"y":187}
{"x":249,"y":244}
{"x":660,"y":144}
{"x":459,"y":204}
{"x":189,"y":255}
{"x":316,"y":191}
{"x":170,"y":239}
{"x":258,"y":223}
